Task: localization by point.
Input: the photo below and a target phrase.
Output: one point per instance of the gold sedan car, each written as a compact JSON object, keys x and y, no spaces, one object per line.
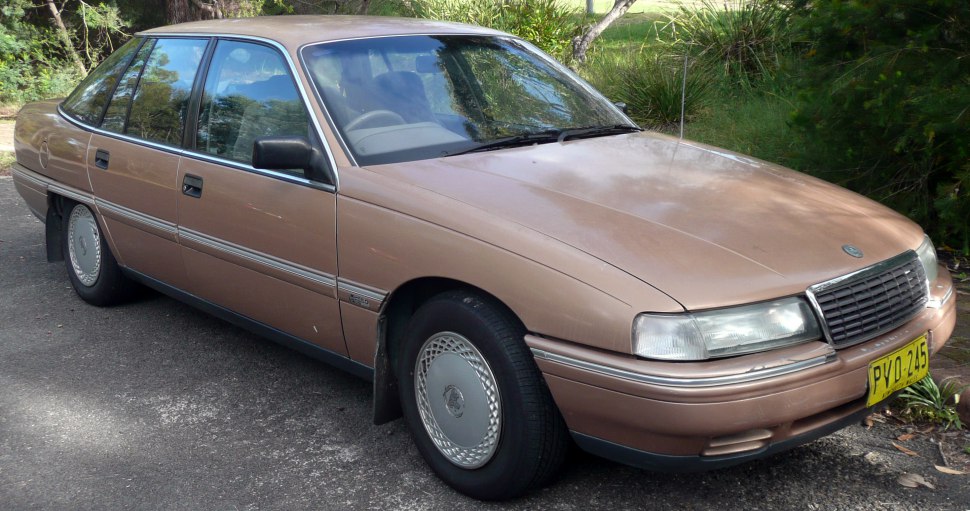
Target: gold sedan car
{"x":449,"y":212}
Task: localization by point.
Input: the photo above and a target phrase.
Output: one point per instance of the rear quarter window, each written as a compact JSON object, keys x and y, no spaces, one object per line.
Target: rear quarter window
{"x":88,"y":100}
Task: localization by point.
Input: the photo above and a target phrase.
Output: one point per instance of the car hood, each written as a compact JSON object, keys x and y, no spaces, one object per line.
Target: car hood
{"x":706,"y":226}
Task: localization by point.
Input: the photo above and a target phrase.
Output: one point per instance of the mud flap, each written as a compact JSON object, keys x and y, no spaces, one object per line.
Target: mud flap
{"x":53,"y":232}
{"x":387,"y":405}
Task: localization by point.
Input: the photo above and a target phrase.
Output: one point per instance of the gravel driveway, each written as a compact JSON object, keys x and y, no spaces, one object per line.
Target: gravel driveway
{"x":155,"y":405}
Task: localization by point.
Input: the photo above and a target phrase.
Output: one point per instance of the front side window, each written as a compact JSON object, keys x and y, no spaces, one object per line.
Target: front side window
{"x":160,"y":103}
{"x":87,"y":102}
{"x":408,"y":98}
{"x":249,"y":93}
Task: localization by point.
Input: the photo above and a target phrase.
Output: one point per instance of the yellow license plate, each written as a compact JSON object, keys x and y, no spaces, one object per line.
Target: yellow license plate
{"x":898,"y":370}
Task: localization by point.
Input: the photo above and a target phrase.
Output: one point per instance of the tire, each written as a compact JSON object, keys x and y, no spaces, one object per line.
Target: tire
{"x":474,"y":400}
{"x":91,"y":267}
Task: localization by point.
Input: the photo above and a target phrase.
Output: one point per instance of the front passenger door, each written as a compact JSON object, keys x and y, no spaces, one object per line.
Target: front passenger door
{"x":260,"y":243}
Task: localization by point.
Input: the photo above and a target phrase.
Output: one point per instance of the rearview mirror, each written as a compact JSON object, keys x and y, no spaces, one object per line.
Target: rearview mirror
{"x":282,"y":153}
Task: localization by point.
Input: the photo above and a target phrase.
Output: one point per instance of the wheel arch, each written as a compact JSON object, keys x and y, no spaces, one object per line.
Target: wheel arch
{"x":395,"y":313}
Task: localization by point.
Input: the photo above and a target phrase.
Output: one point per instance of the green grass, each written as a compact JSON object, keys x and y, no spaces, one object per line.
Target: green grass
{"x":633,"y":31}
{"x":6,"y":160}
{"x":752,"y":123}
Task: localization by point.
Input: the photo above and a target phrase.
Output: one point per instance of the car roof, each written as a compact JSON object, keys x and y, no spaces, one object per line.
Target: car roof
{"x":295,"y":31}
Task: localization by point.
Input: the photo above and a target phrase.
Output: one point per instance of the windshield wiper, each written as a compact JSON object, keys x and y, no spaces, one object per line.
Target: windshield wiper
{"x":513,"y":141}
{"x":552,"y":135}
{"x":595,"y":131}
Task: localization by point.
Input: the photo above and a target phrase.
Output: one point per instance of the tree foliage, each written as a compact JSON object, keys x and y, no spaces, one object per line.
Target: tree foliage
{"x":885,"y":104}
{"x":549,"y":24}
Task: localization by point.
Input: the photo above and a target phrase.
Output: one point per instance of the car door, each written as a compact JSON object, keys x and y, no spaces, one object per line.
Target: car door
{"x":257,"y":242}
{"x":133,"y":160}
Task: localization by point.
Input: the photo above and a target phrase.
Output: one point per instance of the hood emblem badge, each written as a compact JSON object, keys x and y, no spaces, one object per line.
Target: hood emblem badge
{"x":852,"y":250}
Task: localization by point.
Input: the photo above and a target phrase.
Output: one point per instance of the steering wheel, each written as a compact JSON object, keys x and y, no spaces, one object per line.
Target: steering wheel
{"x":377,"y":118}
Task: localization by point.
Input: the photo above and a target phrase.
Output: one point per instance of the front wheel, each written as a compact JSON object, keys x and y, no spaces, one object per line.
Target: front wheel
{"x":91,"y":267}
{"x":474,"y":400}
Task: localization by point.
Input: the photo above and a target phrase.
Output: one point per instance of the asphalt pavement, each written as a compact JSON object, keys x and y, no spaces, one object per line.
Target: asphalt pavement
{"x":154,"y":405}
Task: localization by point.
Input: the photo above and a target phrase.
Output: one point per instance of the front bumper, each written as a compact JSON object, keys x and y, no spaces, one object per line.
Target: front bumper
{"x":703,"y":415}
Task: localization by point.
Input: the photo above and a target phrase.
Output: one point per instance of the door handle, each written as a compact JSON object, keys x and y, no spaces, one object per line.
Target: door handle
{"x":192,"y":186}
{"x":101,"y":159}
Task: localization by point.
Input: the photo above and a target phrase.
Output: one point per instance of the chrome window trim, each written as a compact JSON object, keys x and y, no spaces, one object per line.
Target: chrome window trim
{"x":276,"y":263}
{"x":296,"y":79}
{"x":866,"y":272}
{"x":127,"y":138}
{"x":711,"y":381}
{"x":196,"y":155}
{"x":180,"y":151}
{"x":185,"y":153}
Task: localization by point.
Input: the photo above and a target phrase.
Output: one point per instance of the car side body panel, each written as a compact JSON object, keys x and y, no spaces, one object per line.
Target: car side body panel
{"x":136,"y":195}
{"x":50,"y":145}
{"x":249,"y":232}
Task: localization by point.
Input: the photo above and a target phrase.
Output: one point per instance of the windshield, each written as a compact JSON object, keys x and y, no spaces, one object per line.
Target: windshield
{"x":408,"y":98}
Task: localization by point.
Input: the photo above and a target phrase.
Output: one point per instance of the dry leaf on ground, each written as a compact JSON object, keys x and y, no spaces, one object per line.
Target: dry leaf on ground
{"x":914,"y":480}
{"x":947,"y":470}
{"x":904,"y":450}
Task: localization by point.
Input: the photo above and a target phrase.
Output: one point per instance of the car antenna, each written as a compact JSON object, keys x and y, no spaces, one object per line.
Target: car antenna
{"x":683,"y":95}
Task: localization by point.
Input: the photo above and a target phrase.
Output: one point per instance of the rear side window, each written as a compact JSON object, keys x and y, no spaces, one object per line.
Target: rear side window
{"x":160,"y":103}
{"x":87,"y":101}
{"x":248,"y":93}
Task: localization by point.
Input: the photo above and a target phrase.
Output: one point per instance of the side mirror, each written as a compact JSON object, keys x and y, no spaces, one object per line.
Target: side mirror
{"x":621,"y":105}
{"x":282,"y":153}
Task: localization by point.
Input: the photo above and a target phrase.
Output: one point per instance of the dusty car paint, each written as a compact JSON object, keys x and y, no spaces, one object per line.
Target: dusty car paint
{"x":576,"y":238}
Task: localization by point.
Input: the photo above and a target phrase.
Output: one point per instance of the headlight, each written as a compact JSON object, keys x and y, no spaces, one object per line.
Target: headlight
{"x":724,"y":332}
{"x":927,"y":256}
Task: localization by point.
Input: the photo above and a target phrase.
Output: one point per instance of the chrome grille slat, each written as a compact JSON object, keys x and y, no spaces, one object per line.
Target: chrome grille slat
{"x":862,"y":305}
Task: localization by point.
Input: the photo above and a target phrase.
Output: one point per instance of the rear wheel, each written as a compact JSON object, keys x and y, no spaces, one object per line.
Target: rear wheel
{"x":474,"y":400}
{"x":91,"y":267}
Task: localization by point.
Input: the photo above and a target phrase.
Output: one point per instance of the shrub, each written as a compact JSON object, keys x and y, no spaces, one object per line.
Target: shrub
{"x":925,"y":400}
{"x":548,"y":24}
{"x":651,"y":85}
{"x":885,"y":104}
{"x":748,"y":38}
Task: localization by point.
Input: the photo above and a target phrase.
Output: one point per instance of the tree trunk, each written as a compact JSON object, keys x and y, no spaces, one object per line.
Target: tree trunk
{"x":177,"y":11}
{"x":582,"y":43}
{"x":364,"y":5}
{"x":207,"y":10}
{"x":66,"y":38}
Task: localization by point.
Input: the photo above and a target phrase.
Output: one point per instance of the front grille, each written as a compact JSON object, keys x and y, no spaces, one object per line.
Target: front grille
{"x":862,"y":305}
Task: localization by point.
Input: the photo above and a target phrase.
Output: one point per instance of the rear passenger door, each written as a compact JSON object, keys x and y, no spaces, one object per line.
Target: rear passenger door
{"x":133,"y":161}
{"x":258,"y":242}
